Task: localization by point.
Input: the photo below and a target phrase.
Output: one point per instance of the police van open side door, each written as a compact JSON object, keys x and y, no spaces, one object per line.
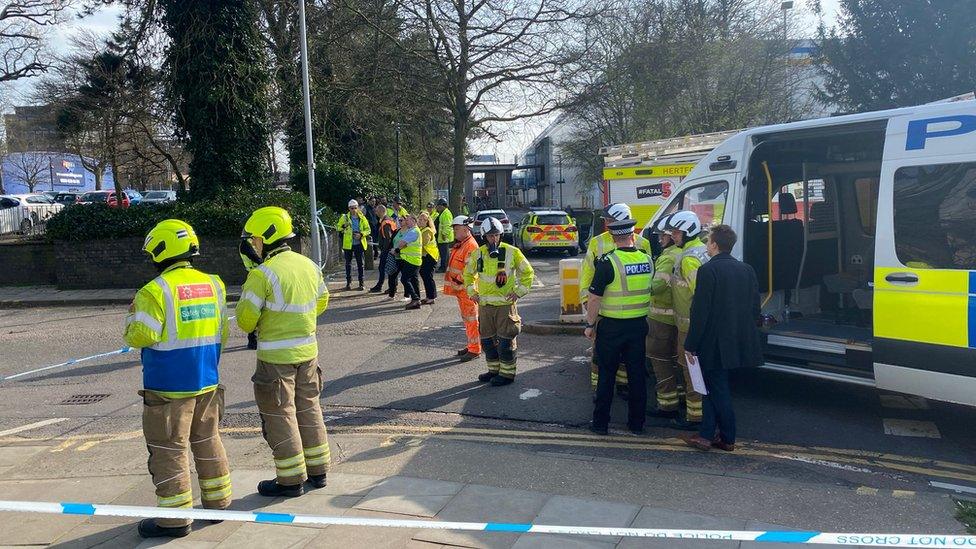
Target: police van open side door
{"x":925,"y":256}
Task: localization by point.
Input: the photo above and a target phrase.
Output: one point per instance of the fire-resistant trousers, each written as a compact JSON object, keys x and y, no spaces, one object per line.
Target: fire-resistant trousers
{"x":693,"y":400}
{"x":498,"y":326}
{"x":174,"y":425}
{"x":291,"y":418}
{"x":662,"y":339}
{"x":469,"y":315}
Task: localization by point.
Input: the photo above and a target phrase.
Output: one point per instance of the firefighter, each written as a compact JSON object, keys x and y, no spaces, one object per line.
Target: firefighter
{"x":179,"y":322}
{"x":662,"y":333}
{"x":685,"y":229}
{"x":464,"y":246}
{"x":620,"y":299}
{"x":445,"y":232}
{"x":496,"y":276}
{"x":599,"y":246}
{"x":282,"y":297}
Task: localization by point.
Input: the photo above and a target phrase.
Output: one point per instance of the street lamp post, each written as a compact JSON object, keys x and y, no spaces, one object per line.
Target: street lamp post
{"x":396,"y":126}
{"x":559,"y":159}
{"x":309,"y":154}
{"x":785,"y":6}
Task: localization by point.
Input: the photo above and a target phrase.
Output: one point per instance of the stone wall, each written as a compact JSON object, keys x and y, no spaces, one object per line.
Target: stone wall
{"x":27,"y":264}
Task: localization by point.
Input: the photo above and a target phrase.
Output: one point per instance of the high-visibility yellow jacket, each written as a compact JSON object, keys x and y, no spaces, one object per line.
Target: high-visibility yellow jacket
{"x":282,"y":298}
{"x":413,"y":252}
{"x":599,"y":246}
{"x":445,"y":227}
{"x":628,"y":295}
{"x":344,"y":226}
{"x":178,"y":321}
{"x":684,"y":277}
{"x":662,"y":299}
{"x":481,"y":270}
{"x":429,"y":243}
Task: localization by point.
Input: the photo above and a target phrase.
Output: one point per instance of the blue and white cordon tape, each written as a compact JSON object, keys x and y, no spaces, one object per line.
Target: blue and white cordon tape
{"x":68,"y":363}
{"x":869,"y":540}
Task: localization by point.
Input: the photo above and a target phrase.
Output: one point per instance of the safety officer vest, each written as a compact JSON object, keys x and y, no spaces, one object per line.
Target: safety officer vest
{"x":662,"y":300}
{"x":694,"y":254}
{"x":629,"y":294}
{"x":345,"y":222}
{"x":430,"y":248}
{"x":413,"y":252}
{"x":184,"y":362}
{"x":454,"y":278}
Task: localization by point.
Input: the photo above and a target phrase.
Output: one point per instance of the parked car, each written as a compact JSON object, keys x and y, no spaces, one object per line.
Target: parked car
{"x":158,"y":197}
{"x":548,"y":230}
{"x":24,"y":212}
{"x":68,"y":198}
{"x":52,"y":194}
{"x":94,"y":197}
{"x":135,"y":197}
{"x":500,"y":215}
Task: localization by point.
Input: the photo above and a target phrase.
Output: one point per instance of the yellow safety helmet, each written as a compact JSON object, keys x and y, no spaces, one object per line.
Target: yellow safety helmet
{"x":171,"y":239}
{"x":270,"y":223}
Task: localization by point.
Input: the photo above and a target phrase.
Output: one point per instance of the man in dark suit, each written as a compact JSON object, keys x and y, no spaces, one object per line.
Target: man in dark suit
{"x":723,"y":334}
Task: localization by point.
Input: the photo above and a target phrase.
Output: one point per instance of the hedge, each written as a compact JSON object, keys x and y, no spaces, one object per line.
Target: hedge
{"x":336,"y":183}
{"x":223,"y":218}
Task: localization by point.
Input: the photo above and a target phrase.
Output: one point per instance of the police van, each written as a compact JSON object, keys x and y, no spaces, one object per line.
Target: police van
{"x":862,"y":232}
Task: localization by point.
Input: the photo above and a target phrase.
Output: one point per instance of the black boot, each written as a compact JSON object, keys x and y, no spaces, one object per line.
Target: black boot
{"x":462,"y":352}
{"x":317,"y":481}
{"x":272,"y":489}
{"x":376,"y":290}
{"x":685,"y":425}
{"x":487,"y":376}
{"x":498,"y":381}
{"x":466,"y":357}
{"x":348,"y":286}
{"x":252,"y":341}
{"x":149,"y":529}
{"x":667,"y":414}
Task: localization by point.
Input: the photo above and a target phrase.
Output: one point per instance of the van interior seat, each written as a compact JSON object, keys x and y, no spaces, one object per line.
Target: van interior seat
{"x":787,"y":247}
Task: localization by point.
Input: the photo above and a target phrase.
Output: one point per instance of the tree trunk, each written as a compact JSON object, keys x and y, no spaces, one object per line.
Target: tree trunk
{"x":98,"y":178}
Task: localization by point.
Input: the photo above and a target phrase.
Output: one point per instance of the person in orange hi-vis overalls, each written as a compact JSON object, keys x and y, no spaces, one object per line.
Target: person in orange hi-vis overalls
{"x":464,"y":245}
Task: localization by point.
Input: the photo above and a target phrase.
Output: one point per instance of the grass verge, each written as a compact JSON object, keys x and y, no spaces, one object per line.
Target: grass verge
{"x":966,"y":514}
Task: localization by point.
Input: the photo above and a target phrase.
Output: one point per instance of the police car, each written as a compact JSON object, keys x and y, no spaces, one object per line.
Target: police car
{"x":547,"y":230}
{"x":862,"y":232}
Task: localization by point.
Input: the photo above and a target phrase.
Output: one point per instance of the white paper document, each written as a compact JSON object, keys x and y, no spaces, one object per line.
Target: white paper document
{"x":694,"y":370}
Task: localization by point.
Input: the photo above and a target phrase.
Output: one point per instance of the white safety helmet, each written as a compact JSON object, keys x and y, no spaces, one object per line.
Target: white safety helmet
{"x":461,"y":220}
{"x":661,"y":225}
{"x":353,"y":203}
{"x":618,"y":212}
{"x":491,"y":226}
{"x":685,"y":221}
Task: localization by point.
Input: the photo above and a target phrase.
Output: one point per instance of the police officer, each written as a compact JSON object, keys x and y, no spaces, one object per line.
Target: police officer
{"x":599,"y":246}
{"x":685,"y":229}
{"x":619,"y":300}
{"x":179,"y":322}
{"x":662,"y":335}
{"x":496,"y":276}
{"x":282,"y":297}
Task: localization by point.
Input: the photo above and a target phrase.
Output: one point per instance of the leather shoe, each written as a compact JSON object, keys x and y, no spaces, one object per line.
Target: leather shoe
{"x":599,"y":430}
{"x":487,"y":376}
{"x":466,"y":357}
{"x":696,"y":441}
{"x":668,"y":414}
{"x":271,"y":489}
{"x":149,"y":529}
{"x":685,"y":425}
{"x":722,"y":445}
{"x":376,"y":290}
{"x":637,"y":430}
{"x":462,"y":352}
{"x":498,"y":381}
{"x":317,"y":481}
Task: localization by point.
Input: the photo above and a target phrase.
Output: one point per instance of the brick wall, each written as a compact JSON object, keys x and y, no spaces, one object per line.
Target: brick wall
{"x":27,"y":263}
{"x":120,"y":263}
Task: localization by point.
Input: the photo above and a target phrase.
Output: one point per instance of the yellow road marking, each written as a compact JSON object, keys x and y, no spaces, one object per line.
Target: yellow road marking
{"x":866,"y":491}
{"x":903,"y":494}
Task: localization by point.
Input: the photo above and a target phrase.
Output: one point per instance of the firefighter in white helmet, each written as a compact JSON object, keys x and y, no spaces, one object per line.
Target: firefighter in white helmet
{"x":496,"y":276}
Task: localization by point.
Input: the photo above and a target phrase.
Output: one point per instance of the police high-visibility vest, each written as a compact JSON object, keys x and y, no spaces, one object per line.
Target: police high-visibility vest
{"x":629,"y":294}
{"x":179,"y":322}
{"x":430,"y":245}
{"x":693,"y":255}
{"x":662,"y":299}
{"x":454,"y":278}
{"x":413,"y":252}
{"x":345,"y":227}
{"x":282,"y":298}
{"x":599,"y":246}
{"x":445,"y":229}
{"x":480,"y":274}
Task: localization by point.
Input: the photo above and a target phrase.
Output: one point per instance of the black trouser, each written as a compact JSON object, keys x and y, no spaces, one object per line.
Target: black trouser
{"x":411,"y":283}
{"x":621,"y":341}
{"x":384,"y":257}
{"x":717,"y":406}
{"x":393,"y":276}
{"x":357,"y":252}
{"x":445,"y":249}
{"x":427,"y":275}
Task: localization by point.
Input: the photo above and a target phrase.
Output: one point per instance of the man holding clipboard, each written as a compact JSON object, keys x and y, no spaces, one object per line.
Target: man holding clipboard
{"x":723,"y":335}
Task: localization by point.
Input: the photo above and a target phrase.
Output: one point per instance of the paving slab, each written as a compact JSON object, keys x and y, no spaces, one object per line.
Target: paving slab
{"x":103,"y":536}
{"x":313,"y":503}
{"x":183,"y":543}
{"x":754,"y":525}
{"x":350,"y":484}
{"x":12,"y":456}
{"x":355,"y":537}
{"x":656,"y":517}
{"x":477,"y":503}
{"x":260,"y":536}
{"x":410,"y":496}
{"x":548,"y":541}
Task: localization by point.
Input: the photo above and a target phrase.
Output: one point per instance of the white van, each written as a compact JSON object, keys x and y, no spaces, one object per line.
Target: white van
{"x":862,"y":232}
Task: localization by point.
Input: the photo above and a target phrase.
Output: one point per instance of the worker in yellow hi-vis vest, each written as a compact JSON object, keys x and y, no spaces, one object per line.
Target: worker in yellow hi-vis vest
{"x":178,"y":321}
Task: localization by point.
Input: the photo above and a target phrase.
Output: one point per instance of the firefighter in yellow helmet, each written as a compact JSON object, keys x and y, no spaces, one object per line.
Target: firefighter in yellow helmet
{"x":282,"y":297}
{"x":178,"y":321}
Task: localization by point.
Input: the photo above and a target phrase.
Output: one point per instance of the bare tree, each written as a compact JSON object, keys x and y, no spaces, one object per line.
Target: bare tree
{"x":23,"y":29}
{"x":31,"y":167}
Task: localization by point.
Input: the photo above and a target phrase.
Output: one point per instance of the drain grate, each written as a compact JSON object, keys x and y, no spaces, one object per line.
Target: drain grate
{"x":78,"y":400}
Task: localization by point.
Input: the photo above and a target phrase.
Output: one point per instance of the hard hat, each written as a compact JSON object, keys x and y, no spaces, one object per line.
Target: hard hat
{"x":491,"y":226}
{"x":442,"y":202}
{"x":461,"y":220}
{"x":171,"y":239}
{"x":353,"y":203}
{"x":661,"y":225}
{"x":617,"y":211}
{"x":685,"y":221}
{"x":270,"y":223}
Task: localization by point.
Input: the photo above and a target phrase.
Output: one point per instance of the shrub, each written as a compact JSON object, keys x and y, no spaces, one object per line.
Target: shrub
{"x":222,"y":218}
{"x":336,"y":183}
